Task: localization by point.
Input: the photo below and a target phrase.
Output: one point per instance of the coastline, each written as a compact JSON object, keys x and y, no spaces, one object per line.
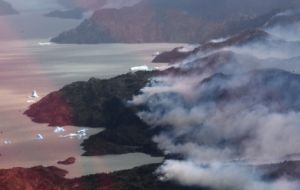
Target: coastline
{"x":18,"y":128}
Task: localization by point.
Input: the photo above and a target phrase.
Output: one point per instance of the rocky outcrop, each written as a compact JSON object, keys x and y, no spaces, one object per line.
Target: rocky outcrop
{"x":68,"y":161}
{"x":52,"y":109}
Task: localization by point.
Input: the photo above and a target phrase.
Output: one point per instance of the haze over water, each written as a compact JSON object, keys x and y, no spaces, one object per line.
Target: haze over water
{"x":26,"y":65}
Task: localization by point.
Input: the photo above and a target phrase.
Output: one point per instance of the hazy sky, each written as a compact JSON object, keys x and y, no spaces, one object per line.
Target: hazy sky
{"x":29,"y":5}
{"x":35,"y":5}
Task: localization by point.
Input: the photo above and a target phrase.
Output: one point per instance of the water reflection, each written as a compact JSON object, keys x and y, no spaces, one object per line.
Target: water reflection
{"x":27,"y":66}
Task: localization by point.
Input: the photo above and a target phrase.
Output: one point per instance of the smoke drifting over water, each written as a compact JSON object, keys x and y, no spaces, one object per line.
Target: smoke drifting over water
{"x":229,"y":109}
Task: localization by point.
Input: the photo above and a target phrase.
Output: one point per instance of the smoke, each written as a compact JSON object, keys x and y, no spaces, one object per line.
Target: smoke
{"x":269,"y":49}
{"x":235,"y":111}
{"x":220,"y":176}
{"x":283,"y":41}
{"x":229,"y":109}
{"x":289,"y":27}
{"x":289,"y":33}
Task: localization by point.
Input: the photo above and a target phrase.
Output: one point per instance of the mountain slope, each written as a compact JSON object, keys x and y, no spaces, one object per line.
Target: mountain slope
{"x":100,"y":103}
{"x":96,"y":4}
{"x":6,"y":8}
{"x":168,"y":21}
{"x":68,"y":14}
{"x":140,"y":178}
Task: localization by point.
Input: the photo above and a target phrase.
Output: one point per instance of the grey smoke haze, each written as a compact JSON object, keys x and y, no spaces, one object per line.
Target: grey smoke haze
{"x":283,"y":41}
{"x":269,"y":49}
{"x":290,"y":27}
{"x":220,"y":176}
{"x":224,"y":117}
{"x":289,"y":33}
{"x":247,"y":121}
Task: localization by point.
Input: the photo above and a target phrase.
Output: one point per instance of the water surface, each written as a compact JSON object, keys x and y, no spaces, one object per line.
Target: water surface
{"x":27,"y":64}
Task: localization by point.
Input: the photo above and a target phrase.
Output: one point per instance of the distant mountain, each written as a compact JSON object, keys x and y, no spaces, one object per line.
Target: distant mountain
{"x":68,"y":14}
{"x":84,"y":4}
{"x":6,"y":8}
{"x":96,"y":4}
{"x":174,"y":21}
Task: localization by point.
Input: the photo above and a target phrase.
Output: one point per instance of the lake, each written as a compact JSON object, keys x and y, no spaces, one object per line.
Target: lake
{"x":28,"y":63}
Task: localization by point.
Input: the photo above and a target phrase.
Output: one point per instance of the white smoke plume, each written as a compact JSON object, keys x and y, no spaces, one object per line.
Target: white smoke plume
{"x":287,"y":31}
{"x":220,"y":176}
{"x":221,"y":119}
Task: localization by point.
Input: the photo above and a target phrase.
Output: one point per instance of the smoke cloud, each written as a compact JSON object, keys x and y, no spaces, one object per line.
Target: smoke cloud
{"x":229,"y":109}
{"x":220,"y":176}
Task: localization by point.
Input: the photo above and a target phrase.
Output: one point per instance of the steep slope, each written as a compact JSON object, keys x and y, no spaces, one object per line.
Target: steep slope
{"x":52,"y":178}
{"x":219,"y":114}
{"x":33,"y":178}
{"x":140,"y":178}
{"x":100,"y":103}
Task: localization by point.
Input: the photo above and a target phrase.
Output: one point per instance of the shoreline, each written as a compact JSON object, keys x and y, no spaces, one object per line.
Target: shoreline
{"x":21,"y":130}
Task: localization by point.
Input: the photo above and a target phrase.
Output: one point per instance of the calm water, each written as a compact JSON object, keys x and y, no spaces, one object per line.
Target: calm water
{"x":26,"y":65}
